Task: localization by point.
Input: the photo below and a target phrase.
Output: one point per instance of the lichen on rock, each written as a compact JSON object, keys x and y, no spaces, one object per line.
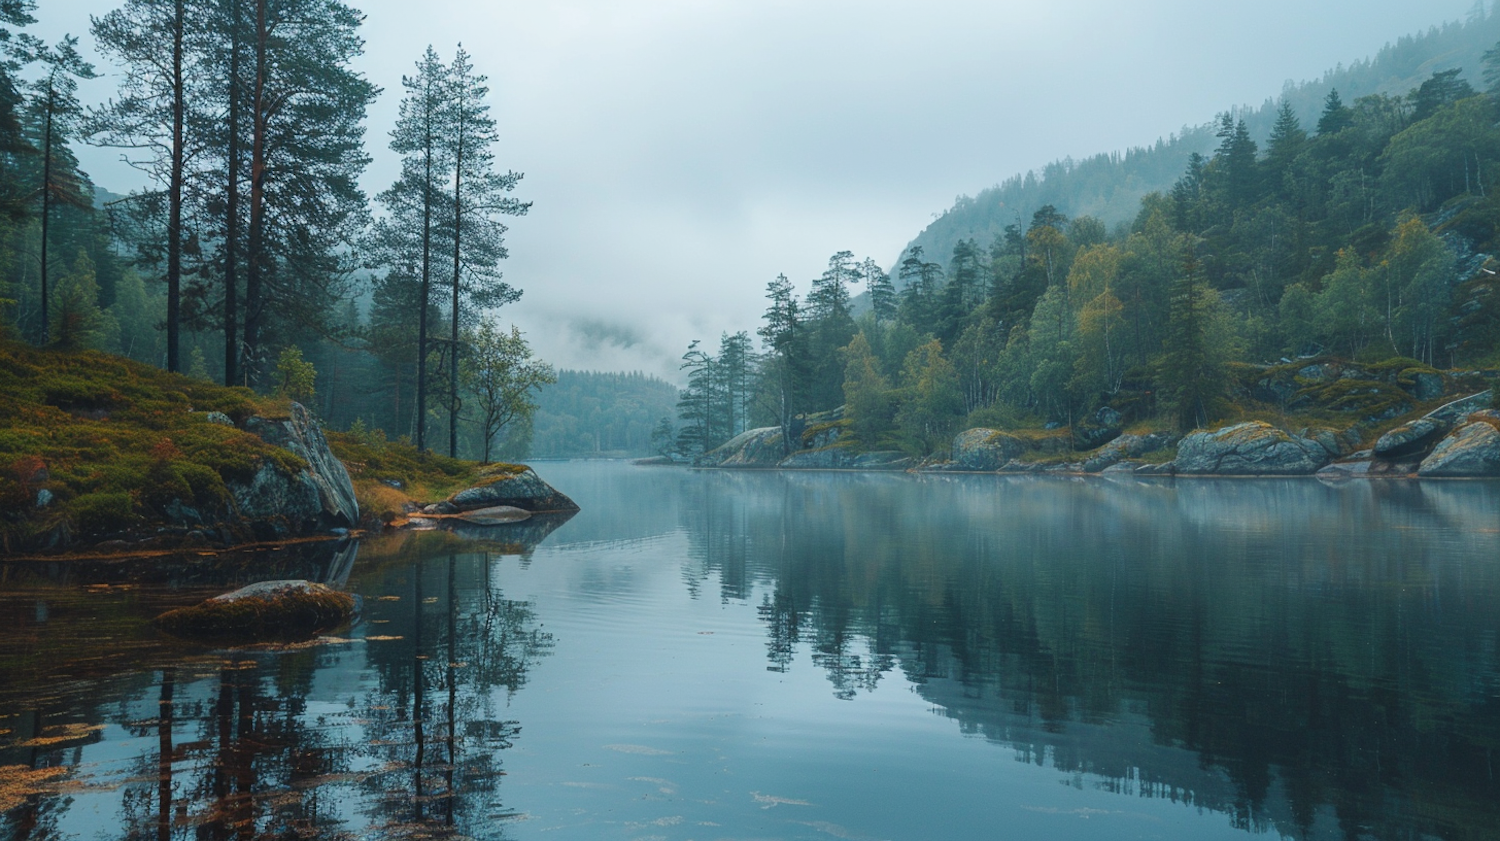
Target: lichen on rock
{"x":1253,"y":448}
{"x":521,"y":489}
{"x":985,"y":449}
{"x":1472,"y":450}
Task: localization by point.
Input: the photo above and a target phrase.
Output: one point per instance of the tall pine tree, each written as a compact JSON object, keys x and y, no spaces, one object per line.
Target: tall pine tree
{"x":148,"y":38}
{"x":480,"y":196}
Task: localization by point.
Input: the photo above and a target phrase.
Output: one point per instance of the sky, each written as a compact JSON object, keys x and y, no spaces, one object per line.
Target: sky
{"x":680,"y":154}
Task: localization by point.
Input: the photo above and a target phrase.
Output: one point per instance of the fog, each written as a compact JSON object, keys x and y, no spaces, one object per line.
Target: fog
{"x":682,"y":154}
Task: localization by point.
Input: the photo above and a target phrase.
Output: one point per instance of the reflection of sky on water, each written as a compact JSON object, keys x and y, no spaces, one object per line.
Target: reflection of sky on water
{"x":705,"y":654}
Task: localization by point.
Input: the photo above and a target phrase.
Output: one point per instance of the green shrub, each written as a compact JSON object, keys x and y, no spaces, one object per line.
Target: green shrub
{"x":102,"y":513}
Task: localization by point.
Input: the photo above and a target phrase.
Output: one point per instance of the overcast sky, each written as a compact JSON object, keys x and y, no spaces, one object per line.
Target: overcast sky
{"x":682,"y":154}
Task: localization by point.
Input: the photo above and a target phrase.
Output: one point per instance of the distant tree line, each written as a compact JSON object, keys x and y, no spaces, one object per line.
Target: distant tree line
{"x":590,"y":413}
{"x":1362,"y":236}
{"x":254,"y":248}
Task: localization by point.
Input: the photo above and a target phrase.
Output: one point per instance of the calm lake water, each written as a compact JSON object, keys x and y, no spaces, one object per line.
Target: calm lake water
{"x":759,"y":655}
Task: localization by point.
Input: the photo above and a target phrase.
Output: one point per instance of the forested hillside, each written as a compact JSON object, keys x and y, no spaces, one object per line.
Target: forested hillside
{"x":1362,"y":233}
{"x":1110,"y":186}
{"x":587,"y":413}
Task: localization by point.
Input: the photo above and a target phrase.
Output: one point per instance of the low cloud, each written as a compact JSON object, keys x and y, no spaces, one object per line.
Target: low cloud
{"x":596,"y":335}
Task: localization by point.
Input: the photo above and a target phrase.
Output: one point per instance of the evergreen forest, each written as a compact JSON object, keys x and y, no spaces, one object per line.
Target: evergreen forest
{"x":1351,"y":217}
{"x":1362,"y":232}
{"x":253,"y":258}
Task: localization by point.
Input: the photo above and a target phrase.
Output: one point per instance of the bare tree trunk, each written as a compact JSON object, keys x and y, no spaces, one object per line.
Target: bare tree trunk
{"x":47,"y":203}
{"x":232,"y":208}
{"x":174,"y":200}
{"x":254,"y":258}
{"x":458,"y":184}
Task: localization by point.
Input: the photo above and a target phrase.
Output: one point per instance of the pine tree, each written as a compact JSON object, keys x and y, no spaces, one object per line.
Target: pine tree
{"x":479,"y":198}
{"x":305,"y":127}
{"x":77,"y":321}
{"x":16,"y":50}
{"x":151,"y":114}
{"x":919,"y":291}
{"x":786,"y":343}
{"x":831,"y":327}
{"x":1286,"y":142}
{"x":882,"y":293}
{"x":414,"y":205}
{"x":1443,"y":88}
{"x":229,"y":54}
{"x":1336,"y":116}
{"x":56,"y":116}
{"x":700,"y":404}
{"x":1189,"y":374}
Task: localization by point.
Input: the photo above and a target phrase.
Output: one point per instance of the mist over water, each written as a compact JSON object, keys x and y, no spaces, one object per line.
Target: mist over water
{"x":704,"y":654}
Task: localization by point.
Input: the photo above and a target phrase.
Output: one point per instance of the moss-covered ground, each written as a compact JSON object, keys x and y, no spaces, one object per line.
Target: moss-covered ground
{"x":108,"y":443}
{"x":388,"y":475}
{"x":112,"y":441}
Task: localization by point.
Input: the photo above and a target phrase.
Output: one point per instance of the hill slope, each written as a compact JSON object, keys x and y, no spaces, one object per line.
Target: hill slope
{"x":1110,"y":185}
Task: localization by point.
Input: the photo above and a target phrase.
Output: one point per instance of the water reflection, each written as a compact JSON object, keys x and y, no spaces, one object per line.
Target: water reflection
{"x":1306,"y":659}
{"x":1289,"y":657}
{"x":397,"y":730}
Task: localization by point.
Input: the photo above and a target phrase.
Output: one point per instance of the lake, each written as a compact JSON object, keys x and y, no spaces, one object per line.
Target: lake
{"x":776,"y":655}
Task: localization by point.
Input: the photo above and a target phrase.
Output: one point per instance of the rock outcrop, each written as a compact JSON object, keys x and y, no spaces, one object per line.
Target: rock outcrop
{"x":825,"y":458}
{"x":1472,"y":450}
{"x":278,"y":503}
{"x":752,"y":448}
{"x":517,"y":488}
{"x":985,"y":449}
{"x":1125,"y":447}
{"x":1101,"y":428}
{"x":1253,"y":448}
{"x":1416,"y":437}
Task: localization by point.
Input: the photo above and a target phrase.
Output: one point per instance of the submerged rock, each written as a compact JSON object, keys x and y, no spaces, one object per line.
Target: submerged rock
{"x":985,"y":449}
{"x":1472,"y":450}
{"x":268,"y":610}
{"x":1253,"y":448}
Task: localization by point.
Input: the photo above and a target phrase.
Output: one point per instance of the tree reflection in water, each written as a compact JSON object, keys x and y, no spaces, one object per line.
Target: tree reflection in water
{"x":432,"y":719}
{"x":1205,"y":642}
{"x":228,"y":746}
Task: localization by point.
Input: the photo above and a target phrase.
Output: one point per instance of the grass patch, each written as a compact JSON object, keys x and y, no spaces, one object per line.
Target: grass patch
{"x":377,"y":466}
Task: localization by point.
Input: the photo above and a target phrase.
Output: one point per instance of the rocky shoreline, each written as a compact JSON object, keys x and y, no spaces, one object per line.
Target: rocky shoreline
{"x":281,"y":504}
{"x":1459,"y":439}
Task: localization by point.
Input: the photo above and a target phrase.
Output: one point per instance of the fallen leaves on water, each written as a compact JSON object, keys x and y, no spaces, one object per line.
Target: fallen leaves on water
{"x":299,"y":645}
{"x":18,"y":782}
{"x":60,"y":734}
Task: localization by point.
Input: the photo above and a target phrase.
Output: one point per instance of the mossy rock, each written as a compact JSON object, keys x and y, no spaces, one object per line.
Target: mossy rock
{"x":269,"y":610}
{"x":1370,"y":399}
